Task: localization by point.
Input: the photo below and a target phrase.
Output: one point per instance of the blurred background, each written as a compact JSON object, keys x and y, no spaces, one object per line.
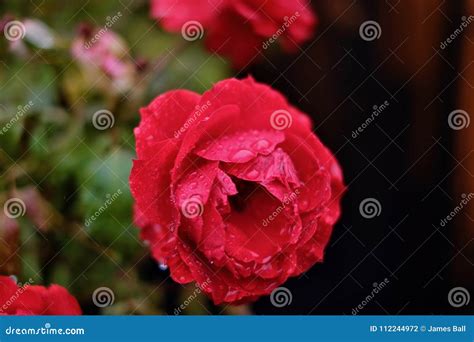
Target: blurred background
{"x":388,"y":84}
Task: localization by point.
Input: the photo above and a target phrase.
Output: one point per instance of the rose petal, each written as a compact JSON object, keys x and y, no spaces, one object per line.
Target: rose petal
{"x":162,"y":119}
{"x":240,"y":147}
{"x":150,"y":181}
{"x":262,"y":230}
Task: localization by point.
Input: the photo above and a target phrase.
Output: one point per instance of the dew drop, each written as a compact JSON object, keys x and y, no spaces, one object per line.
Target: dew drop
{"x":262,"y":144}
{"x":253,"y":174}
{"x":267,"y":259}
{"x":304,"y":205}
{"x":242,"y":155}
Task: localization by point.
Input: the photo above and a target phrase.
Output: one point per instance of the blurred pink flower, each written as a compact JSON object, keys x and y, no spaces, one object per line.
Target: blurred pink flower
{"x":104,"y":50}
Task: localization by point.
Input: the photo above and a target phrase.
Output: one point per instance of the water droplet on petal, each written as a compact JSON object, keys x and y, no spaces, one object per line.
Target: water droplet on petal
{"x":254,"y":254}
{"x":261,"y":144}
{"x":242,"y":155}
{"x":303,"y":205}
{"x":267,"y":259}
{"x":253,"y":174}
{"x":163,"y":266}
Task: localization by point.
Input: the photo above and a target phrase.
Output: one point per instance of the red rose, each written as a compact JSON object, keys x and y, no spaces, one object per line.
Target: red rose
{"x":238,"y":29}
{"x":232,"y":188}
{"x":35,"y":300}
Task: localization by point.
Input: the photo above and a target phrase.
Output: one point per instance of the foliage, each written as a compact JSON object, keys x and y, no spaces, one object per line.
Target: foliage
{"x":63,"y":168}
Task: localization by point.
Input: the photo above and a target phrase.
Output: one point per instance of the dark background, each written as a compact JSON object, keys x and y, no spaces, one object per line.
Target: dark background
{"x":409,"y":159}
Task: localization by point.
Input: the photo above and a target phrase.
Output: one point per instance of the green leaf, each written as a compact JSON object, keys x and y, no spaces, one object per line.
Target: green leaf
{"x":105,"y":202}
